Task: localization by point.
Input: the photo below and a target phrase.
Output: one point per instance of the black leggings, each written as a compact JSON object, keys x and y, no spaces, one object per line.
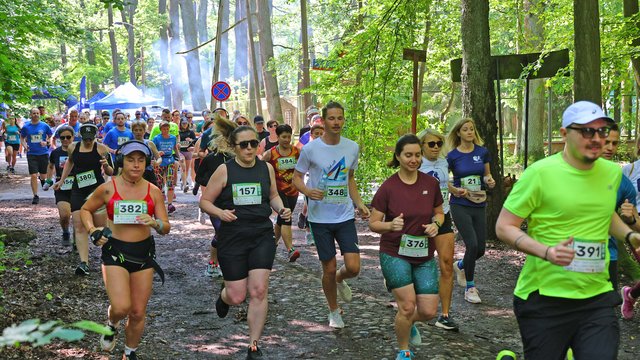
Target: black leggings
{"x":471,"y":223}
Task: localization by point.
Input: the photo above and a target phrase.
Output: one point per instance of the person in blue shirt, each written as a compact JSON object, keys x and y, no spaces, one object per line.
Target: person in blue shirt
{"x":35,"y":139}
{"x":166,"y":145}
{"x":118,"y":135}
{"x":112,"y":124}
{"x":11,"y":142}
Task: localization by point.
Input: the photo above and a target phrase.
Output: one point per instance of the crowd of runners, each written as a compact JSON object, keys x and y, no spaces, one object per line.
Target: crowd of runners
{"x":115,"y":178}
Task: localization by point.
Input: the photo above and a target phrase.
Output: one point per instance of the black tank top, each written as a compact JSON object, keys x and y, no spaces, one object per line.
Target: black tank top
{"x":251,"y":188}
{"x":84,"y":162}
{"x":268,"y":144}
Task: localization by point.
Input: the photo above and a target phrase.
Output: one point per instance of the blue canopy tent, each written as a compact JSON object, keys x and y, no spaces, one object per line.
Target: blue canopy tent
{"x":87,"y":104}
{"x":125,"y":96}
{"x":54,"y":92}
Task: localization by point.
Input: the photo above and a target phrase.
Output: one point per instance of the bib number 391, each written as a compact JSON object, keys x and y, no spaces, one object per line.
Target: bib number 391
{"x":413,"y":246}
{"x":247,"y":194}
{"x":590,"y":257}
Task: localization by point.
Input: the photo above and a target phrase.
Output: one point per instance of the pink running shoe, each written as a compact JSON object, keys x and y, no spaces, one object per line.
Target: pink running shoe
{"x":627,"y":303}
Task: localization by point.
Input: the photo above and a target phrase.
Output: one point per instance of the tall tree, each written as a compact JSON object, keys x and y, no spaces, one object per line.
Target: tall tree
{"x":177,"y":62}
{"x":224,"y":42}
{"x":193,"y":58}
{"x":203,"y":36}
{"x":478,"y":95}
{"x":127,"y":21}
{"x":586,"y":27}
{"x":266,"y":52}
{"x":533,"y":42}
{"x":164,"y":53}
{"x":305,"y":82}
{"x":240,"y":68}
{"x":114,"y":47}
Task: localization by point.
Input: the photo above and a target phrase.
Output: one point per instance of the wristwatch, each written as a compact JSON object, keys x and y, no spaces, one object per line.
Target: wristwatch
{"x":438,"y":224}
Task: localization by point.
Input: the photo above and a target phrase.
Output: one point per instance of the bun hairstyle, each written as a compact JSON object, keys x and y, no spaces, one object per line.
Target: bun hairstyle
{"x":223,"y":127}
{"x":404,"y":140}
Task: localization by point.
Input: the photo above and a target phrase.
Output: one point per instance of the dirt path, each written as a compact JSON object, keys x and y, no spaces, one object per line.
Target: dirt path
{"x":182,"y":323}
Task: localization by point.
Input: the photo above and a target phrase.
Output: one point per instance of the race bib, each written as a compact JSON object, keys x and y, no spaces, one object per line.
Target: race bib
{"x":67,"y":184}
{"x":414,"y":246}
{"x":444,"y":190}
{"x":122,"y":140}
{"x":590,"y":256}
{"x":336,"y":194}
{"x":12,"y":137}
{"x":185,"y":143}
{"x":126,"y":211}
{"x":286,"y":163}
{"x":36,"y":138}
{"x":247,"y":194}
{"x":86,"y":178}
{"x":471,"y":183}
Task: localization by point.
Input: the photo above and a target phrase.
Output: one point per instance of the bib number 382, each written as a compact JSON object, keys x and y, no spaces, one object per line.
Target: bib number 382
{"x":590,"y":257}
{"x":413,"y":246}
{"x":247,"y":194}
{"x":127,"y":211}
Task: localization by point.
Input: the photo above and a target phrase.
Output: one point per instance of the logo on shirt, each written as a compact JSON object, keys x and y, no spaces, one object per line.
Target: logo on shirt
{"x":477,"y":159}
{"x":425,"y":192}
{"x":434,"y":174}
{"x":338,"y":171}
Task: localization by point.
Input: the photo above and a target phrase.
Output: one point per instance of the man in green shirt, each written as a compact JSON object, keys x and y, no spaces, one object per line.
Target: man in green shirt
{"x":564,"y":297}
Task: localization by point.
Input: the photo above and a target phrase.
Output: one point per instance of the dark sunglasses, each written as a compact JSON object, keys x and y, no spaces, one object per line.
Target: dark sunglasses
{"x":273,"y":125}
{"x":66,"y":137}
{"x":189,"y":117}
{"x":243,"y":123}
{"x":433,"y":144}
{"x":245,"y":144}
{"x":589,"y":133}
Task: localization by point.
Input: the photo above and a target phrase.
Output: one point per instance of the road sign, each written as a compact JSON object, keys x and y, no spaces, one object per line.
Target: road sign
{"x":221,"y":91}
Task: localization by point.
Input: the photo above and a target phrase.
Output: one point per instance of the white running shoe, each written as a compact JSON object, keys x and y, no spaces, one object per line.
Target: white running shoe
{"x":460,"y":276}
{"x":335,"y":319}
{"x":201,"y":217}
{"x":108,"y":342}
{"x":344,"y":291}
{"x":471,"y":295}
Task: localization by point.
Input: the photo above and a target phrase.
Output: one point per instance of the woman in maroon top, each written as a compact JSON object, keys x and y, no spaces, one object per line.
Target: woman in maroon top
{"x":407,"y":211}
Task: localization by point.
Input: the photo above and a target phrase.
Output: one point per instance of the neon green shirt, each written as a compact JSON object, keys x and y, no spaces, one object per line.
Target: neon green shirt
{"x":559,"y":201}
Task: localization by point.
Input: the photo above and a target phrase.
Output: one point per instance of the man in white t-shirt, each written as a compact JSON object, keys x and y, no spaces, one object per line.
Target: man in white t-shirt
{"x":332,"y":192}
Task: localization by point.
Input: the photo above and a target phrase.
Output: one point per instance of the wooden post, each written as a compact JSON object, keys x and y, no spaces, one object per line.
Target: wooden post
{"x":416,"y":56}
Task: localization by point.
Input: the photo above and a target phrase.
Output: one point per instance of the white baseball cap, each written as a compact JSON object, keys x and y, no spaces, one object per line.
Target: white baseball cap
{"x":583,"y":112}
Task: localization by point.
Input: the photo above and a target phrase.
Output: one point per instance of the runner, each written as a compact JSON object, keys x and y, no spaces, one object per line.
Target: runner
{"x":220,"y":151}
{"x":117,"y":135}
{"x":128,"y":255}
{"x":316,"y":132}
{"x":331,"y":162}
{"x":166,"y":145}
{"x":35,"y":139}
{"x":407,"y":211}
{"x":283,"y":158}
{"x":187,"y":139}
{"x":564,"y":297}
{"x":57,"y":159}
{"x":434,"y":164}
{"x":469,"y":163}
{"x":86,"y":162}
{"x":139,"y":128}
{"x":11,"y":142}
{"x":270,"y":141}
{"x":258,"y":123}
{"x":244,"y":192}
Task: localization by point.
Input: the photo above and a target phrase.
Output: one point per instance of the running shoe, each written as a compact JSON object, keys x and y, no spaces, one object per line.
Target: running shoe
{"x":131,"y":356}
{"x":186,"y":189}
{"x":196,"y":187}
{"x":36,"y":200}
{"x":415,"y":339}
{"x":12,"y":170}
{"x":344,"y":291}
{"x":404,"y":354}
{"x":309,"y":238}
{"x":171,"y":209}
{"x":254,"y":352}
{"x":222,"y":308}
{"x":302,"y":221}
{"x":460,"y":277}
{"x":209,"y":270}
{"x":217,"y":272}
{"x":8,"y":168}
{"x":66,"y":238}
{"x":471,"y":295}
{"x":108,"y":342}
{"x":627,"y":303}
{"x":82,"y":269}
{"x":293,"y":255}
{"x":445,"y":322}
{"x":335,"y":319}
{"x":201,"y":217}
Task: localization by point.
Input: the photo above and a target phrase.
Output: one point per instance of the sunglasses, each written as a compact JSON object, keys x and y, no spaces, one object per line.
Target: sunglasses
{"x":433,"y":144}
{"x":273,"y":125}
{"x":189,"y":117}
{"x":66,"y":137}
{"x":243,"y":123}
{"x":589,"y":133}
{"x":245,"y":144}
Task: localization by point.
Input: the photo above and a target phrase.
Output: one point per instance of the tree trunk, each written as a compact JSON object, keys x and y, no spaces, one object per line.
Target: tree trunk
{"x":478,"y":95}
{"x":422,"y":70}
{"x":256,"y":45}
{"x":177,"y":63}
{"x":255,"y":103}
{"x":240,"y":69}
{"x":164,"y":53}
{"x":187,"y":9}
{"x":533,"y":35}
{"x":305,"y":63}
{"x":266,"y":51}
{"x":131,"y":56}
{"x":203,"y":36}
{"x":114,"y":47}
{"x":519,"y":141}
{"x":586,"y":27}
{"x":631,"y":8}
{"x":63,"y":57}
{"x":224,"y":42}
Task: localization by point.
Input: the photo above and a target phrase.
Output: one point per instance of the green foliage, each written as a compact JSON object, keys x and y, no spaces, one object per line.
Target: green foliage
{"x":38,"y":334}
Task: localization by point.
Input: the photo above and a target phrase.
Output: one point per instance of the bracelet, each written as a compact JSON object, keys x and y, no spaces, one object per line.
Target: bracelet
{"x":546,"y":253}
{"x":160,"y":226}
{"x":626,"y":237}
{"x":438,"y":224}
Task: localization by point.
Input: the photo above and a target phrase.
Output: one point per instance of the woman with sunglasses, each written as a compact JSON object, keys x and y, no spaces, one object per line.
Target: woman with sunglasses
{"x":242,"y":193}
{"x":11,"y":142}
{"x":407,"y":211}
{"x":434,"y":164}
{"x":469,"y":164}
{"x":57,"y":159}
{"x":187,"y":139}
{"x":284,"y":158}
{"x":270,"y":141}
{"x":139,"y":130}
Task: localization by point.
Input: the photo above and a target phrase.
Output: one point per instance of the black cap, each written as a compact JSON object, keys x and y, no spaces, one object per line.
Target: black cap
{"x":258,"y":119}
{"x":88,"y":131}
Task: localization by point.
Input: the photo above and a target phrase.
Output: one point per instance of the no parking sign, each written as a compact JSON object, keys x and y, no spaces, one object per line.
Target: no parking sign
{"x":221,"y":91}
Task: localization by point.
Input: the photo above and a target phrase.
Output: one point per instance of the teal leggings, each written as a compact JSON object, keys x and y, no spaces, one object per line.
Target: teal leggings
{"x":399,"y":273}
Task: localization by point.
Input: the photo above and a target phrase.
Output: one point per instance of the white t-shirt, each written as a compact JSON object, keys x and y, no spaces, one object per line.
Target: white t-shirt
{"x":439,"y":169}
{"x":634,"y":176}
{"x":328,"y":167}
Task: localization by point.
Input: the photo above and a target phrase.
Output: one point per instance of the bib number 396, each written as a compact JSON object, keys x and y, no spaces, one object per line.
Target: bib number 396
{"x":590,"y":257}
